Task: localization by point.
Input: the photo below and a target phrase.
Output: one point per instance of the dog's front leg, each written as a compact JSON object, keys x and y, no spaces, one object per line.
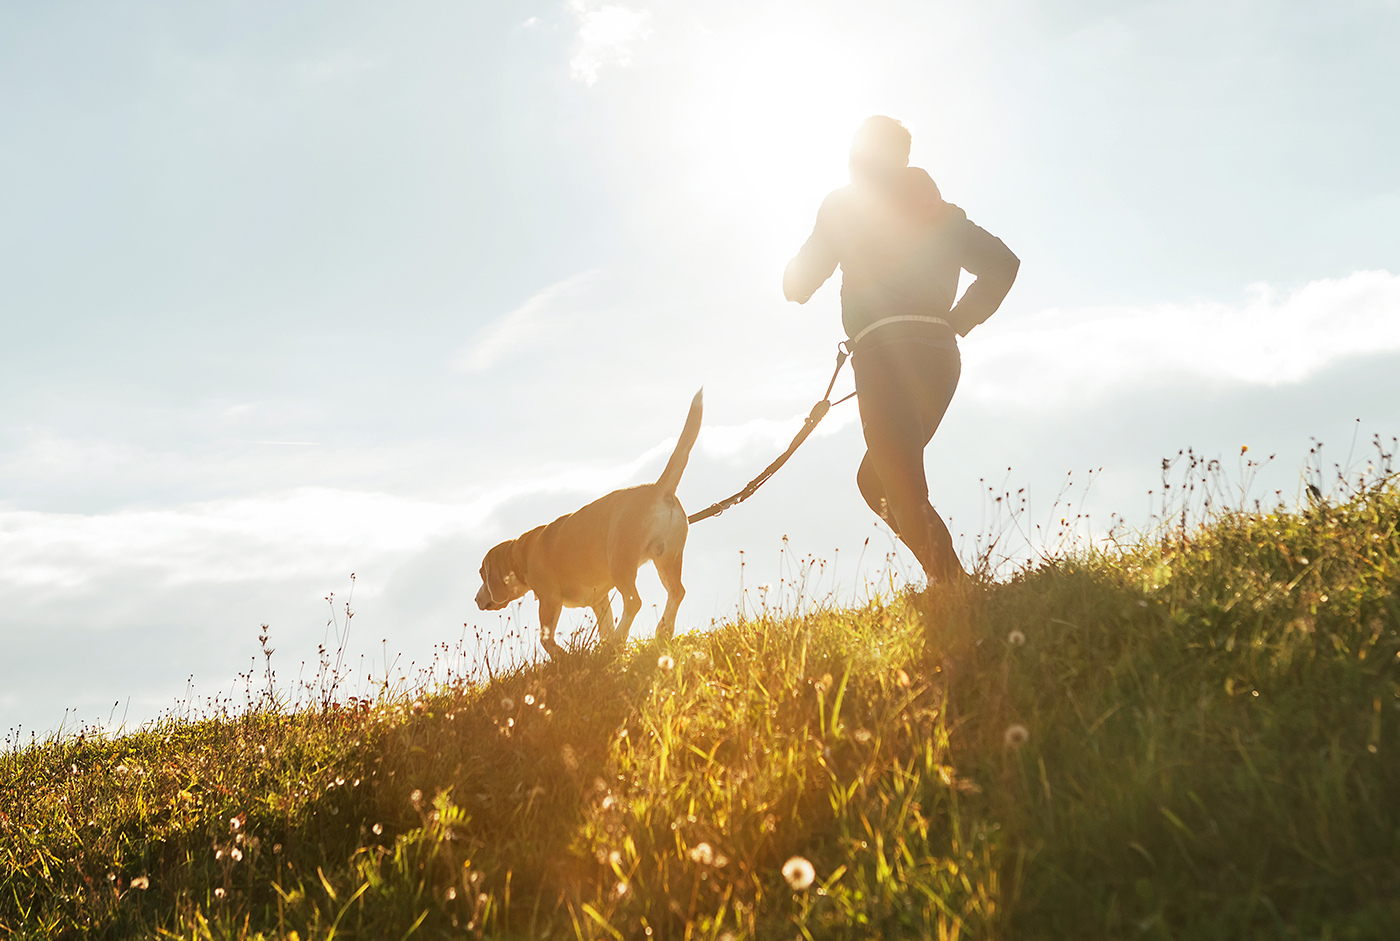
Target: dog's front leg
{"x":550,"y":609}
{"x":603,"y":612}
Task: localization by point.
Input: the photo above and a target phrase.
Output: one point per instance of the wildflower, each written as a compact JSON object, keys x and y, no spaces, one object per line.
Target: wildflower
{"x":666,"y":662}
{"x":339,"y":782}
{"x":702,"y":853}
{"x":507,"y":704}
{"x":529,"y":699}
{"x":219,"y":892}
{"x":237,"y":854}
{"x":799,"y":873}
{"x":1016,"y":735}
{"x":1016,"y":639}
{"x":236,"y":822}
{"x":111,"y":877}
{"x":416,"y":798}
{"x":141,"y":882}
{"x":378,"y":829}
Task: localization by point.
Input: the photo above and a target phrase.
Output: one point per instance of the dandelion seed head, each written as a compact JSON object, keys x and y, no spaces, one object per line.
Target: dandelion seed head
{"x":799,"y":873}
{"x":666,"y":662}
{"x":1016,"y":639}
{"x":507,"y":704}
{"x":1016,"y":735}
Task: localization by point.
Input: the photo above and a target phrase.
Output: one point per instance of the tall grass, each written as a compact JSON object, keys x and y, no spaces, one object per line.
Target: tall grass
{"x":1190,"y":734}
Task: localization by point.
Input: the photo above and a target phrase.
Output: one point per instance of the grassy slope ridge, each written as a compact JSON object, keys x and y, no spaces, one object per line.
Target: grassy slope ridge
{"x":1212,"y":752}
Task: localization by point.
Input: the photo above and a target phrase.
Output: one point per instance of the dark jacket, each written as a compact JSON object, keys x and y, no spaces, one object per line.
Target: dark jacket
{"x":901,"y":248}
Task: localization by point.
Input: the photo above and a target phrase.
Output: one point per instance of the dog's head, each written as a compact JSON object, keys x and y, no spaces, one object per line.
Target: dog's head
{"x":500,"y":584}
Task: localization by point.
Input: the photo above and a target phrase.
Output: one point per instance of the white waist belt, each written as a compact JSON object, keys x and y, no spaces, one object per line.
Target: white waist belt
{"x":903,"y":318}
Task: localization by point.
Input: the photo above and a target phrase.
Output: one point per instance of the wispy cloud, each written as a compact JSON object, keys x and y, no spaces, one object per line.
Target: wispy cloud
{"x":606,"y":35}
{"x":1273,"y":337}
{"x":525,"y":323}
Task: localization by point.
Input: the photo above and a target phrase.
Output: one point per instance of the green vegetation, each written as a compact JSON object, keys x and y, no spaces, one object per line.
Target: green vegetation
{"x":1190,"y":737}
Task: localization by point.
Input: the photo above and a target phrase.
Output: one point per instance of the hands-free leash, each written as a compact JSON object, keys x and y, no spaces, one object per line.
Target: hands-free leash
{"x":817,"y":413}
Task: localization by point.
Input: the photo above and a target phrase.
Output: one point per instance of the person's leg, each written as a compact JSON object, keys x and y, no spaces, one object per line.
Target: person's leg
{"x":903,"y":394}
{"x":868,"y":480}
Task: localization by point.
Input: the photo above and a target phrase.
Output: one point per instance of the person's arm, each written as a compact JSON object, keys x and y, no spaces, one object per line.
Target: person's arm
{"x":814,"y":263}
{"x":987,"y":257}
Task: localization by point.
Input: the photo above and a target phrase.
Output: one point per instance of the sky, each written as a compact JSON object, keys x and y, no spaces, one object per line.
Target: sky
{"x":291,"y":292}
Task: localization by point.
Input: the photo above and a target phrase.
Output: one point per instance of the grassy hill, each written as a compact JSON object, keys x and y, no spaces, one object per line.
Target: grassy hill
{"x":1190,"y":737}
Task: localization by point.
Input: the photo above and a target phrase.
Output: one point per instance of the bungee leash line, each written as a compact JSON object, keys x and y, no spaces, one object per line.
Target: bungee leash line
{"x":818,"y":412}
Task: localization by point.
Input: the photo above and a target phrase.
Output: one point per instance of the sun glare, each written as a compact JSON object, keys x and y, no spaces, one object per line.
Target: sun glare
{"x":766,"y":121}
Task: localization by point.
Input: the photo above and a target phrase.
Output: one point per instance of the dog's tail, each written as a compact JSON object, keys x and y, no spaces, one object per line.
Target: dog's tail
{"x":671,"y":476}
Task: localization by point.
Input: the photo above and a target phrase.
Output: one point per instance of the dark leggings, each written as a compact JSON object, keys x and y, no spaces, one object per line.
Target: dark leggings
{"x":904,"y":389}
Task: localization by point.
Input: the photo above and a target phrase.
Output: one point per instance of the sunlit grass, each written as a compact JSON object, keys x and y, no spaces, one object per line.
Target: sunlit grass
{"x":1190,"y":734}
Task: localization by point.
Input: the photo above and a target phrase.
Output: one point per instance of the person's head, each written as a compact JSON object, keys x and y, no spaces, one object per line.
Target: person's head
{"x":880,"y":150}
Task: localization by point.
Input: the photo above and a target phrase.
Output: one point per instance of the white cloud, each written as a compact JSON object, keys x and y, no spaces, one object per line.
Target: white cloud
{"x":527,"y":322}
{"x":606,"y":35}
{"x":1274,"y":337}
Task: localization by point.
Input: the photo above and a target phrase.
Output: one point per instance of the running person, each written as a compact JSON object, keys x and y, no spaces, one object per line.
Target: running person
{"x":901,"y":249}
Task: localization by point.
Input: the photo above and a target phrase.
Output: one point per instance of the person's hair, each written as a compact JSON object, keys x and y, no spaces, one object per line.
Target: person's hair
{"x":881,"y":145}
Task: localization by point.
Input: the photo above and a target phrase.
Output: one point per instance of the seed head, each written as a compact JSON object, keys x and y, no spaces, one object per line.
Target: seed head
{"x":507,"y":704}
{"x":1016,"y":639}
{"x":1016,"y":736}
{"x":799,"y":873}
{"x":666,"y":662}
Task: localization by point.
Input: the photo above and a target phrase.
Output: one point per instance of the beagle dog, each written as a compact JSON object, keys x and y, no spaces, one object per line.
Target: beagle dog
{"x":579,"y":558}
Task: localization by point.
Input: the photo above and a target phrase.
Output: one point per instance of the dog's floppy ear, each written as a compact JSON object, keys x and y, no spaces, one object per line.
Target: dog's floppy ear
{"x":495,"y":567}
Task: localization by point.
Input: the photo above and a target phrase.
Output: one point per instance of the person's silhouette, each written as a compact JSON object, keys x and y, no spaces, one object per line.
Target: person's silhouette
{"x":901,"y":249}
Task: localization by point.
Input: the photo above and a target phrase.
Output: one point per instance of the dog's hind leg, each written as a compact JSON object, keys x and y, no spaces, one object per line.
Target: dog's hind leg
{"x":550,"y":609}
{"x":669,"y":568}
{"x":603,"y":612}
{"x":631,"y":604}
